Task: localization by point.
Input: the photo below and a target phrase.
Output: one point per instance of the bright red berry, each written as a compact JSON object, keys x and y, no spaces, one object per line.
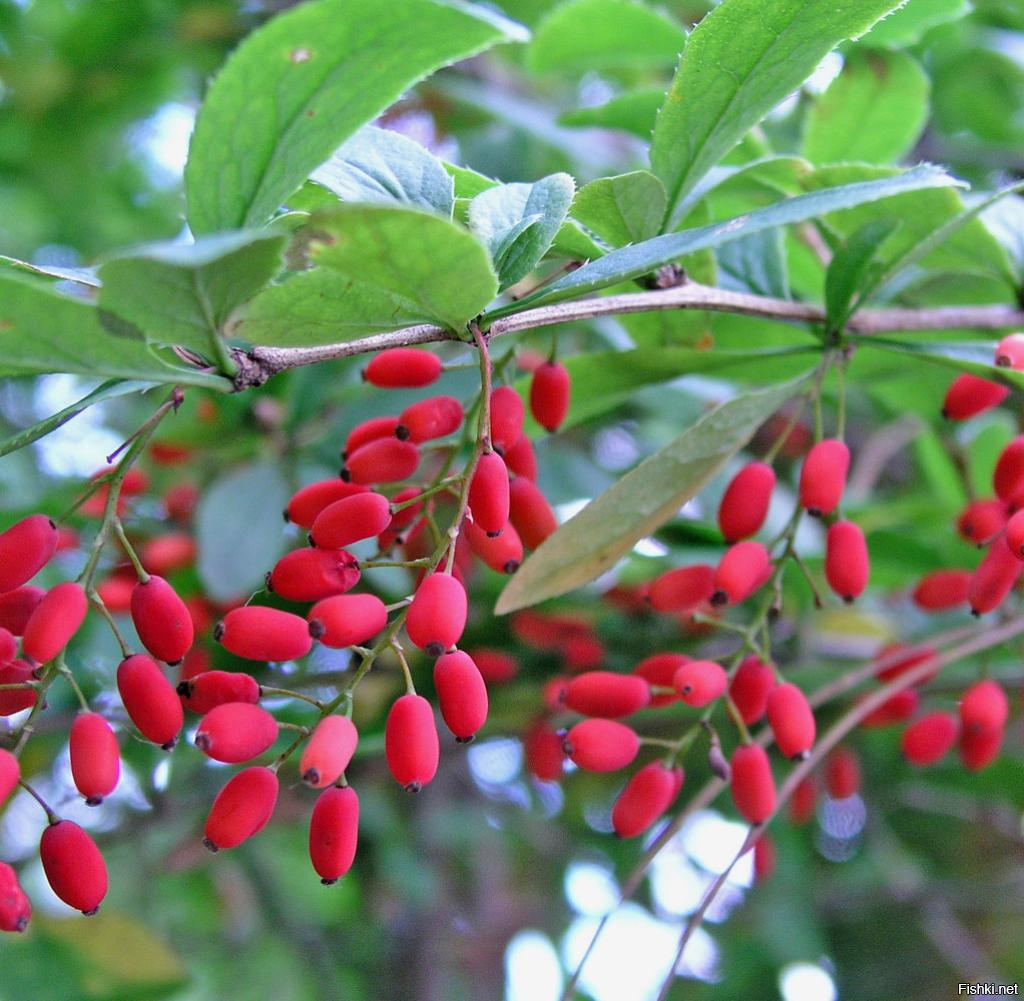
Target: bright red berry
{"x":899,"y":658}
{"x":969,"y":395}
{"x":353,"y":519}
{"x":403,"y":368}
{"x":752,"y":783}
{"x":502,"y":553}
{"x":495,"y":666}
{"x":764,"y":858}
{"x":750,"y":687}
{"x":241,"y":808}
{"x":1009,"y":469}
{"x":601,"y":745}
{"x":333,"y":833}
{"x":530,"y":513}
{"x":162,"y":620}
{"x":942,"y":589}
{"x":700,"y":682}
{"x":981,"y":520}
{"x":897,"y":708}
{"x":308,"y":502}
{"x":17,"y":606}
{"x":235,"y":732}
{"x":432,"y":418}
{"x":520,"y":458}
{"x":489,"y":493}
{"x":984,"y":706}
{"x":979,"y":748}
{"x":53,"y":623}
{"x":13,"y":700}
{"x":660,"y":669}
{"x":842,"y":773}
{"x":803,"y":800}
{"x":10,"y":773}
{"x":682,"y":589}
{"x":169,"y":552}
{"x":259,"y":633}
{"x":311,"y":574}
{"x":745,"y":502}
{"x":25,"y":548}
{"x":205,"y":691}
{"x":550,"y":388}
{"x":461,"y":694}
{"x":994,"y":578}
{"x":410,"y":742}
{"x":384,"y":460}
{"x":928,"y":739}
{"x":437,"y":614}
{"x":328,"y":752}
{"x":1015,"y":534}
{"x":607,"y":694}
{"x":150,"y":700}
{"x":347,"y":619}
{"x":544,"y":754}
{"x":846,"y":560}
{"x":507,"y":415}
{"x":743,"y":568}
{"x":648,"y":794}
{"x":15,"y":908}
{"x":791,"y":720}
{"x":73,"y":866}
{"x":823,"y":476}
{"x":371,"y":430}
{"x":95,"y":757}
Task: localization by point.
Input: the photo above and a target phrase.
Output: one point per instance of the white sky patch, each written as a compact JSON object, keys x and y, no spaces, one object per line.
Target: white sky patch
{"x":532,"y":969}
{"x":712,"y":842}
{"x":590,"y":889}
{"x":163,"y":141}
{"x":79,"y":447}
{"x":828,"y":69}
{"x":806,"y":982}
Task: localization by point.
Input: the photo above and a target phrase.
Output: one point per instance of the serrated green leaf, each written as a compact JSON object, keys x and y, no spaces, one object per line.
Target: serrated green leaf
{"x":850,"y":269}
{"x":636,"y":505}
{"x":303,"y":83}
{"x":874,"y":111}
{"x":627,"y":208}
{"x":377,"y":267}
{"x":380,"y":166}
{"x":740,"y":61}
{"x":183,"y":294}
{"x":906,"y":25}
{"x":632,"y":112}
{"x":589,"y":35}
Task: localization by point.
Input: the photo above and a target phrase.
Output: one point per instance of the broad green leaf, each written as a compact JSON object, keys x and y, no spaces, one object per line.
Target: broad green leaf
{"x":850,"y":270}
{"x":44,"y":331}
{"x":518,"y":222}
{"x":636,"y":505}
{"x":468,"y":182}
{"x":731,"y":190}
{"x":183,"y":294}
{"x":588,"y":35}
{"x":906,"y":25}
{"x":975,"y":357}
{"x":627,"y":208}
{"x":377,"y":165}
{"x":632,"y":262}
{"x":757,"y":264}
{"x":296,"y":88}
{"x":377,"y":267}
{"x":634,"y":111}
{"x":238,"y":529}
{"x":976,"y":92}
{"x":874,"y":111}
{"x":740,"y":61}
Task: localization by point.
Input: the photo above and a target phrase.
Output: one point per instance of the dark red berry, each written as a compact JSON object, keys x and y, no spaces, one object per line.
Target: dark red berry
{"x":507,"y":415}
{"x":410,"y":742}
{"x":14,"y":700}
{"x":745,"y":502}
{"x":549,"y":395}
{"x":25,"y":548}
{"x":150,"y":700}
{"x":333,"y":833}
{"x":544,"y":754}
{"x":823,"y":476}
{"x":55,"y":620}
{"x":17,"y":606}
{"x":994,"y":578}
{"x":73,"y":866}
{"x":162,"y":620}
{"x":489,"y":493}
{"x":842,"y":773}
{"x":648,"y":794}
{"x":502,"y":553}
{"x":10,"y":773}
{"x":969,"y":395}
{"x":750,"y":687}
{"x":15,"y":908}
{"x":95,"y":757}
{"x":530,"y":513}
{"x":311,"y":574}
{"x":437,"y":614}
{"x":520,"y":458}
{"x":242,"y":808}
{"x":660,"y":669}
{"x":846,"y":560}
{"x":461,"y":694}
{"x":752,"y":783}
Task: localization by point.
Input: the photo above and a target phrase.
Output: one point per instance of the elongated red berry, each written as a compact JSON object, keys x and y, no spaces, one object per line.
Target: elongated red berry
{"x":791,"y":720}
{"x":846,"y":560}
{"x":311,"y":574}
{"x":432,"y":418}
{"x":14,"y":700}
{"x":601,"y":745}
{"x":489,"y":493}
{"x":764,"y":858}
{"x":942,"y":589}
{"x":682,"y":589}
{"x":981,"y":520}
{"x":928,"y":739}
{"x":403,"y":368}
{"x":842,"y":773}
{"x":1008,"y":473}
{"x":95,"y":757}
{"x":241,"y":808}
{"x":607,"y":694}
{"x":502,"y":553}
{"x":507,"y":415}
{"x":648,"y":794}
{"x":235,"y":732}
{"x":15,"y":908}
{"x":495,"y":666}
{"x":73,"y":866}
{"x":660,"y":669}
{"x":162,"y":620}
{"x":550,"y":388}
{"x":437,"y":614}
{"x":384,"y":460}
{"x":410,"y":742}
{"x":897,"y":708}
{"x":803,"y":801}
{"x":752,"y":783}
{"x":25,"y":548}
{"x":543,"y":751}
{"x":371,"y":430}
{"x":17,"y":606}
{"x":180,"y":502}
{"x":750,"y":687}
{"x":969,"y":395}
{"x":333,"y":833}
{"x":743,"y":568}
{"x":258,"y":633}
{"x":521,"y":459}
{"x":53,"y":623}
{"x":745,"y":502}
{"x":899,"y":658}
{"x":308,"y":502}
{"x":700,"y":682}
{"x":150,"y":700}
{"x":1015,"y":534}
{"x":530,"y":513}
{"x":980,"y":748}
{"x":347,"y":619}
{"x":169,"y":552}
{"x":209,"y":689}
{"x":823,"y":476}
{"x":10,"y":773}
{"x":994,"y":578}
{"x":461,"y":694}
{"x":328,"y":752}
{"x":361,"y":516}
{"x":984,"y":706}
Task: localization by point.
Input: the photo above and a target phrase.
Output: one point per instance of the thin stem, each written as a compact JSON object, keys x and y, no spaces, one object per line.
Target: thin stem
{"x":140,"y":570}
{"x":50,"y":815}
{"x":98,"y":603}
{"x":396,"y":647}
{"x":287,"y":693}
{"x":65,"y":672}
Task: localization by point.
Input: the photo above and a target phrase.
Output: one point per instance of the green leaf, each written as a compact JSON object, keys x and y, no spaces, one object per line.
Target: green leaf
{"x":183,"y":294}
{"x":468,"y":182}
{"x":757,"y":264}
{"x":83,"y":276}
{"x":975,"y":357}
{"x":239,"y":529}
{"x":633,"y":112}
{"x":44,"y":331}
{"x":740,"y":61}
{"x":517,"y":222}
{"x":377,"y":267}
{"x":645,"y":498}
{"x":627,"y":208}
{"x":303,"y":83}
{"x":874,"y":111}
{"x":632,"y":262}
{"x":377,"y":165}
{"x":851,"y":269}
{"x":906,"y":25}
{"x":591,"y":35}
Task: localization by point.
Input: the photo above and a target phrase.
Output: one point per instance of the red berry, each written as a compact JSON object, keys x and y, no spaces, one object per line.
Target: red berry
{"x":507,"y":415}
{"x":994,"y":578}
{"x":403,"y":368}
{"x":969,"y":395}
{"x":745,"y":501}
{"x":13,"y":700}
{"x":682,"y":589}
{"x":802,"y":802}
{"x":495,"y":666}
{"x":242,"y":808}
{"x":384,"y":460}
{"x":648,"y":794}
{"x":162,"y":620}
{"x":10,"y":773}
{"x":842,"y":773}
{"x":984,"y":707}
{"x":979,"y":748}
{"x":846,"y":560}
{"x":549,"y":395}
{"x":205,"y":691}
{"x":305,"y":505}
{"x":606,"y":694}
{"x":73,"y":866}
{"x":95,"y":757}
{"x":1015,"y":534}
{"x":167,"y":553}
{"x":180,"y":502}
{"x":53,"y":623}
{"x":1009,"y":469}
{"x":752,"y":783}
{"x":15,"y":909}
{"x":700,"y":682}
{"x":791,"y":720}
{"x":371,"y":430}
{"x":741,"y":571}
{"x":896,"y":709}
{"x":17,"y":606}
{"x":437,"y":614}
{"x":489,"y":493}
{"x":236,"y":732}
{"x":660,"y":669}
{"x":942,"y":589}
{"x":764,"y":858}
{"x":116,"y":591}
{"x":432,"y":418}
{"x":502,"y":553}
{"x":1010,"y":352}
{"x":542,"y":748}
{"x":899,"y":659}
{"x":333,"y":833}
{"x":823,"y":476}
{"x":410,"y":742}
{"x":928,"y":739}
{"x":601,"y":745}
{"x":520,"y":458}
{"x":750,"y":687}
{"x":258,"y":633}
{"x":461,"y":694}
{"x":312,"y":574}
{"x":150,"y":700}
{"x":328,"y":752}
{"x":8,"y":646}
{"x":347,"y":619}
{"x":25,"y":548}
{"x":981,"y":521}
{"x":353,"y":519}
{"x":530,"y":513}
